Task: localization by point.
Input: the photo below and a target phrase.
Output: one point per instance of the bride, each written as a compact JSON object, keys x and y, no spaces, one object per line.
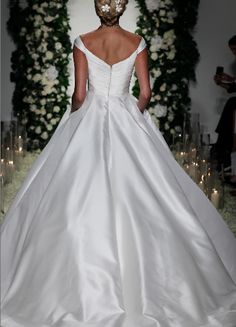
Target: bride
{"x":107,"y":230}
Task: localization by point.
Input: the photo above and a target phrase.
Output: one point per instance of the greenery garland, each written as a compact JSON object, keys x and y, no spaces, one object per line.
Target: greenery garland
{"x":167,"y":27}
{"x":40,"y":66}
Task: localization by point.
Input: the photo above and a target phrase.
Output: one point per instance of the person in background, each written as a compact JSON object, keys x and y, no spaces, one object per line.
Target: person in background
{"x":225,"y":147}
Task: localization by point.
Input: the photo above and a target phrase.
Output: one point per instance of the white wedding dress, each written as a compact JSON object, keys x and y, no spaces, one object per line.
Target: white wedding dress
{"x":107,"y":230}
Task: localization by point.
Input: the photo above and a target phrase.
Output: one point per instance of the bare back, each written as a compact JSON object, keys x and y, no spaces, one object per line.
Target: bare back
{"x":111,"y":45}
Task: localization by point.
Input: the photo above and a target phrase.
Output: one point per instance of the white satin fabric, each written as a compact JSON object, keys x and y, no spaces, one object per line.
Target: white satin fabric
{"x":107,"y":230}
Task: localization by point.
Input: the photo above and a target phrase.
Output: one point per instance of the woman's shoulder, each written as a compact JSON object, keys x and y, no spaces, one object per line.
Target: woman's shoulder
{"x":133,"y":37}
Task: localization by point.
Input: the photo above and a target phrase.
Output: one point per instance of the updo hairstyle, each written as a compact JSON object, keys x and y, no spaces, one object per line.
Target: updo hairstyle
{"x":109,"y":11}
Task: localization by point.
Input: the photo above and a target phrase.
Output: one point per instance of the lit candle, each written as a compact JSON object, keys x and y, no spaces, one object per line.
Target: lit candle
{"x":20,"y":142}
{"x":203,"y":166}
{"x":192,"y":170}
{"x":201,"y":183}
{"x":182,"y":157}
{"x":8,"y":154}
{"x":193,"y":153}
{"x":3,"y":167}
{"x":186,"y":168}
{"x":9,"y":170}
{"x":215,"y":198}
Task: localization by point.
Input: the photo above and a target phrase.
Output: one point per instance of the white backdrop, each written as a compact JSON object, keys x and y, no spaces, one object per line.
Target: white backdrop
{"x":215,"y":26}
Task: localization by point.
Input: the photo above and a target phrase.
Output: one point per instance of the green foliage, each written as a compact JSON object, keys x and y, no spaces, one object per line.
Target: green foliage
{"x":167,"y":27}
{"x":40,"y":66}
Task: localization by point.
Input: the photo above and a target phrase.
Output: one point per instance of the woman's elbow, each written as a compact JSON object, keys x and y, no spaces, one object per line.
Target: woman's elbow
{"x":146,"y":94}
{"x":79,"y":97}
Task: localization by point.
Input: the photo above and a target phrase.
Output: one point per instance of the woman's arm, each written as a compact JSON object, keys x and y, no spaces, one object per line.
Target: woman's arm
{"x":142,"y":71}
{"x":81,"y":76}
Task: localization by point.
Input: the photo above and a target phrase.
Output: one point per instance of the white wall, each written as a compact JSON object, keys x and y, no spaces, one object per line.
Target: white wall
{"x":216,"y":25}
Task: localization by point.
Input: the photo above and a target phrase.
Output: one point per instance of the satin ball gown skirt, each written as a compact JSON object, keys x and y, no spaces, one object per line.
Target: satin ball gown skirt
{"x":107,"y":230}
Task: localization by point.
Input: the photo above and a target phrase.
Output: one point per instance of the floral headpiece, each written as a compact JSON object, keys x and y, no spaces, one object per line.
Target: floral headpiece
{"x":106,"y":8}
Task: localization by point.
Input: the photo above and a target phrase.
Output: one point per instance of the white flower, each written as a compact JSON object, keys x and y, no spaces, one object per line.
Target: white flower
{"x":48,"y":19}
{"x":157,"y":72}
{"x":56,"y":108}
{"x":105,"y":8}
{"x":53,"y":121}
{"x":169,"y":34}
{"x":43,"y":111}
{"x":118,"y":6}
{"x":157,"y":40}
{"x":152,"y":5}
{"x":154,"y":56}
{"x":45,"y":28}
{"x":23,"y":30}
{"x":58,"y":45}
{"x":43,"y":102}
{"x":49,"y":55}
{"x":33,"y":107}
{"x":170,"y":117}
{"x":171,"y":55}
{"x":162,"y":13}
{"x":51,"y":73}
{"x":35,"y":56}
{"x":169,"y":2}
{"x":37,"y":32}
{"x":151,"y":110}
{"x":44,"y":135}
{"x":49,"y":115}
{"x":38,"y":18}
{"x":166,"y":126}
{"x":174,"y":87}
{"x":38,"y":130}
{"x":49,"y":127}
{"x":163,"y":87}
{"x":170,"y":20}
{"x":43,"y":47}
{"x":160,"y":111}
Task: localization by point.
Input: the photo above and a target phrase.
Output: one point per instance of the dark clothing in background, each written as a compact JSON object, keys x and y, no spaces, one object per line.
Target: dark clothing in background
{"x":232,"y":88}
{"x":225,"y":129}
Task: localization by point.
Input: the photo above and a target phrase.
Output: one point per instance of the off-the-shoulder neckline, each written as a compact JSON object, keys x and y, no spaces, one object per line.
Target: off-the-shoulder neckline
{"x":103,"y":61}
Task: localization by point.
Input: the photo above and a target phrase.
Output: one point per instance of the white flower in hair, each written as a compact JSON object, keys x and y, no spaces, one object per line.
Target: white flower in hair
{"x":118,"y":6}
{"x":105,"y":8}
